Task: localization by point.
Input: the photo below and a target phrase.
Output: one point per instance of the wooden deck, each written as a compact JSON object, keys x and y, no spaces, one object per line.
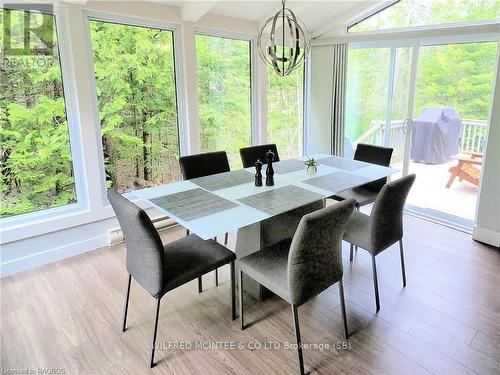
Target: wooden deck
{"x":67,"y":315}
{"x":429,"y":190}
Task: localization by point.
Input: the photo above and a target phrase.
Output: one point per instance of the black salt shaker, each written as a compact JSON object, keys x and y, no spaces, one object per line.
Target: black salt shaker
{"x":269,"y":170}
{"x":258,"y":173}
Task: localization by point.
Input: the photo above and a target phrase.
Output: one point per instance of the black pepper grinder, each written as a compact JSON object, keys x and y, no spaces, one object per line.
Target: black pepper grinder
{"x":258,"y":173}
{"x":269,"y":170}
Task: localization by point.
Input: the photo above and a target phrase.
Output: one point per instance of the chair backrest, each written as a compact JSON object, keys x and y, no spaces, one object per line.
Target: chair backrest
{"x":386,"y":219}
{"x":375,"y":155}
{"x":249,"y":155}
{"x":315,"y":257}
{"x":145,"y":257}
{"x":200,"y":165}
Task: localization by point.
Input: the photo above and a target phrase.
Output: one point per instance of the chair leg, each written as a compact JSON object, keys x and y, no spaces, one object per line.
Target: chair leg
{"x":200,"y":284}
{"x":297,"y":337}
{"x":154,"y":334}
{"x":233,"y":292}
{"x":124,"y":327}
{"x":226,"y":236}
{"x":216,"y":277}
{"x":375,"y":282}
{"x":242,"y":322}
{"x":403,"y":272}
{"x":342,"y":307}
{"x":351,"y":253}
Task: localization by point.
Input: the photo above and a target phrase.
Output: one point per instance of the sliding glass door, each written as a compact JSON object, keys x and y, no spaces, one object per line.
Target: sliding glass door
{"x":430,"y":103}
{"x":453,"y":95}
{"x":377,"y":98}
{"x":367,"y":87}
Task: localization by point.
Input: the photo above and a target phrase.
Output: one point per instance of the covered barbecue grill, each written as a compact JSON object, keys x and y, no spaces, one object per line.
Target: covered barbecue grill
{"x":435,"y":135}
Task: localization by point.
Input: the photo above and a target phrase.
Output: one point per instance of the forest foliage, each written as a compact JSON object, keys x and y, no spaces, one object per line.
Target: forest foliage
{"x":136,"y":97}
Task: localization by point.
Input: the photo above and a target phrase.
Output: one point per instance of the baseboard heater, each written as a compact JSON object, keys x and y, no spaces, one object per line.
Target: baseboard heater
{"x":160,"y":223}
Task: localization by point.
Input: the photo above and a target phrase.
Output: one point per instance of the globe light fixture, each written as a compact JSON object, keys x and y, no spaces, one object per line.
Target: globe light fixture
{"x":283,"y":41}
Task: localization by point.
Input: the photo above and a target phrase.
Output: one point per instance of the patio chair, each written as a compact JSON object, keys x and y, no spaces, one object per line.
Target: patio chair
{"x":466,"y":169}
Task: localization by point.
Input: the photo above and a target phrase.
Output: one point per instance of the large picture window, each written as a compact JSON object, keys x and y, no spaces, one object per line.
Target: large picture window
{"x":36,"y":170}
{"x":136,"y":92}
{"x":285,"y":97}
{"x":224,"y":79}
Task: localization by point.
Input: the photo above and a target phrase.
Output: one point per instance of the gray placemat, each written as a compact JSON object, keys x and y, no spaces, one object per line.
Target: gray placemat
{"x":277,"y":201}
{"x":287,"y":166}
{"x":342,"y":163}
{"x":337,"y":181}
{"x":224,"y":180}
{"x":193,"y":204}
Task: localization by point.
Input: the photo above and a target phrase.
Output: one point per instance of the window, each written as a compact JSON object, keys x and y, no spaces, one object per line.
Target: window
{"x":136,"y":93}
{"x":366,"y":99}
{"x":35,"y":157}
{"x":224,"y":92}
{"x":409,"y":13}
{"x":285,"y":112}
{"x":459,"y":76}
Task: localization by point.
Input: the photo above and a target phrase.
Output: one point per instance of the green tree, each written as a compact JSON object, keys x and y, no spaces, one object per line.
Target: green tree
{"x":224,"y":95}
{"x":35,"y":158}
{"x":134,"y":70}
{"x":285,"y":111}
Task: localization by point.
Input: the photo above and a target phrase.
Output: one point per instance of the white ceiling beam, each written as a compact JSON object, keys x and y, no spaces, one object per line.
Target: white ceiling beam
{"x":192,"y":11}
{"x":331,"y":26}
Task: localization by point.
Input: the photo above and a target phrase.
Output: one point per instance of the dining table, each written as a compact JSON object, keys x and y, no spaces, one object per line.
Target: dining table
{"x":262,"y":215}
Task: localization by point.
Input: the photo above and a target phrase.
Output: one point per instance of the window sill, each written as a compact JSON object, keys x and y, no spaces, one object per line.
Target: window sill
{"x":52,"y":220}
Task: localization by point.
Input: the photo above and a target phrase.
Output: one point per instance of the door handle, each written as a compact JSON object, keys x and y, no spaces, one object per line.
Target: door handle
{"x":406,"y":126}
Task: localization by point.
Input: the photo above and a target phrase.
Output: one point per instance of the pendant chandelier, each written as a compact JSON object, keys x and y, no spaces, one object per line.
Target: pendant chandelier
{"x":283,"y":41}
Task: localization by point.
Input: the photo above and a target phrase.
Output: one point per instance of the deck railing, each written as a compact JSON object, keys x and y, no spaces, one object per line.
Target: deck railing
{"x":473,"y":134}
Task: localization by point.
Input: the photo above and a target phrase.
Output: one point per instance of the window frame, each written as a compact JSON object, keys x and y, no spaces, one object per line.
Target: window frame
{"x":74,"y":132}
{"x":258,"y":129}
{"x":182,"y":131}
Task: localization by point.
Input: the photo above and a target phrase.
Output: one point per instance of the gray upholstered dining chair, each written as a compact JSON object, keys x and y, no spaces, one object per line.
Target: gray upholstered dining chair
{"x":301,"y":268}
{"x":161,"y":268}
{"x":201,"y":165}
{"x":250,"y":155}
{"x":383,"y":227}
{"x":367,"y":193}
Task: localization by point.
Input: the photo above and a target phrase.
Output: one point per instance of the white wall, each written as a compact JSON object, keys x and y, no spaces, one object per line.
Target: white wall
{"x":487,"y":228}
{"x":45,"y":238}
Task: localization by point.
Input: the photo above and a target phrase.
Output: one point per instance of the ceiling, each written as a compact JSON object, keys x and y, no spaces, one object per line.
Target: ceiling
{"x":322,"y":18}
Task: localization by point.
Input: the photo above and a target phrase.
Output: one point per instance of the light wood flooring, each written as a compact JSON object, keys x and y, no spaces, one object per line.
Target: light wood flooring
{"x":67,"y":315}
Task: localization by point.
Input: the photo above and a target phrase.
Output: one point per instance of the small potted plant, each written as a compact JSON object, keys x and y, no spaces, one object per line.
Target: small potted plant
{"x":311,"y":165}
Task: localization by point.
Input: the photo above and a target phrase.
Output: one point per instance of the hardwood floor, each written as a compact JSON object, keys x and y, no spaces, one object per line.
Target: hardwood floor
{"x":67,"y":315}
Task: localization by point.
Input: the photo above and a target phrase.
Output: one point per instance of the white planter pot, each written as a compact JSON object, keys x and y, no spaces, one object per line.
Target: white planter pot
{"x":311,"y":170}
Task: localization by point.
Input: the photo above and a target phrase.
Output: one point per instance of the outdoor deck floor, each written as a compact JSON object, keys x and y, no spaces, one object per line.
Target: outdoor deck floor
{"x":430,"y":192}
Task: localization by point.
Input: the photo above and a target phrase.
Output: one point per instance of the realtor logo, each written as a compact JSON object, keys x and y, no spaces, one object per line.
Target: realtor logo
{"x":28,"y":30}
